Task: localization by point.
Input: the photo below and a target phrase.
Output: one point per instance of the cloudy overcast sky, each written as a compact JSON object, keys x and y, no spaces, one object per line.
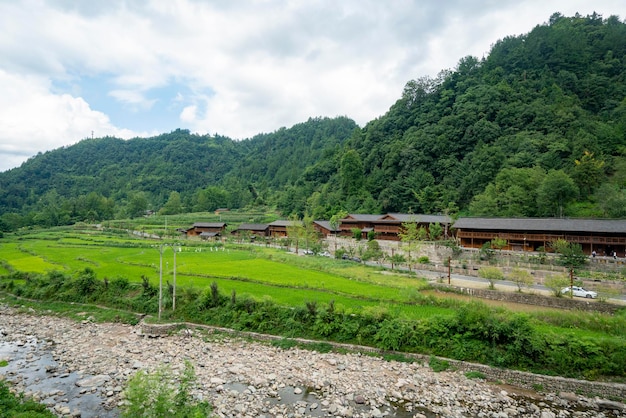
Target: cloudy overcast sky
{"x":70,"y":69}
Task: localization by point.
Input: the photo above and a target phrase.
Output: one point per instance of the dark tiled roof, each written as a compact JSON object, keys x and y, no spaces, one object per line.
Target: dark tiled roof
{"x":284,"y":223}
{"x":209,"y":225}
{"x":361,"y":217}
{"x":543,"y":224}
{"x":419,"y":218}
{"x":326,"y":225}
{"x":209,"y":234}
{"x":253,"y":227}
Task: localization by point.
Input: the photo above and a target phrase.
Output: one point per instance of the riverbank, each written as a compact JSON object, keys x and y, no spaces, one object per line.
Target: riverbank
{"x":244,"y":378}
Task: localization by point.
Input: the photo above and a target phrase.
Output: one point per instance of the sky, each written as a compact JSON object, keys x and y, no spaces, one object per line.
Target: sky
{"x":74,"y":69}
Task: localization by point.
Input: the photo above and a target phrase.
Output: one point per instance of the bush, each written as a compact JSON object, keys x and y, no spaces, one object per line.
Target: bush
{"x":438,"y":365}
{"x":522,"y":278}
{"x":18,"y":406}
{"x":557,"y":282}
{"x":491,"y":274}
{"x":156,"y":395}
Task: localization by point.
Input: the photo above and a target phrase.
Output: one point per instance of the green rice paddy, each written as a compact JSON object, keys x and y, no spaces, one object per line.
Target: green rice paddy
{"x":259,"y":272}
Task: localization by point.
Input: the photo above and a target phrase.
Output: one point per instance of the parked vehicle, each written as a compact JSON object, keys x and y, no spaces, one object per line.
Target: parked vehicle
{"x":580,"y":292}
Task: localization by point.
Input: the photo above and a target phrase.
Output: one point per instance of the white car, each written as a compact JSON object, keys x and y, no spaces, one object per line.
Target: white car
{"x":580,"y":292}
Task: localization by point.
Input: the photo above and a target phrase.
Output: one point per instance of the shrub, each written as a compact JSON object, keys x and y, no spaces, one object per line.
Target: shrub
{"x":438,"y":365}
{"x":474,"y":375}
{"x":156,"y":395}
{"x":556,"y":282}
{"x":491,"y":274}
{"x":18,"y":406}
{"x":522,"y":278}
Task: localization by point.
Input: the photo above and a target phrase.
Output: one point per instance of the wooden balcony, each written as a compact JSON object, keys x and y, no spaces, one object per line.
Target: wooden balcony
{"x":517,"y":237}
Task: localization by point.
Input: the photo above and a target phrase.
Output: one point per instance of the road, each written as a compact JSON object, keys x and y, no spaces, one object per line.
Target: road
{"x":461,"y":280}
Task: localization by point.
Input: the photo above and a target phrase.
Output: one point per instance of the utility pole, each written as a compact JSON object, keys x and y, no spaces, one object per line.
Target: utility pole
{"x":449,"y":268}
{"x":174,"y":290}
{"x":160,"y":279}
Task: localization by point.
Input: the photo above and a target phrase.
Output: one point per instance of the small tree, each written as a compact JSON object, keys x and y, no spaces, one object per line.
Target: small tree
{"x":397,"y":259}
{"x":295,"y":231}
{"x":556,"y":283}
{"x":491,"y":274}
{"x":522,"y":278}
{"x":373,"y":252}
{"x":435,"y":231}
{"x":570,"y":254}
{"x":409,"y":235}
{"x":335,"y":222}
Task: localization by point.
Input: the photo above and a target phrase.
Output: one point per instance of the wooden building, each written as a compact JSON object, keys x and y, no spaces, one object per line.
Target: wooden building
{"x":198,"y":228}
{"x":253,"y":230}
{"x":604,"y":236}
{"x":388,"y":227}
{"x":278,"y":229}
{"x":324,"y":228}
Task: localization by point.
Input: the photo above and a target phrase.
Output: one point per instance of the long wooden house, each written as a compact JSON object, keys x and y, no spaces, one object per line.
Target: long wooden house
{"x":602,"y":236}
{"x":389,"y":226}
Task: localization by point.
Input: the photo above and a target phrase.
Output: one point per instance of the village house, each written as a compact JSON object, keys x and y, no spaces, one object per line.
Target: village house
{"x":278,"y":229}
{"x":205,"y":230}
{"x":602,"y":236}
{"x":389,"y":226}
{"x":252,"y":230}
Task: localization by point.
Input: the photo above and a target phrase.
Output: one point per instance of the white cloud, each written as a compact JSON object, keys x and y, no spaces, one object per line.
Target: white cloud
{"x":32,"y":119}
{"x":244,"y":67}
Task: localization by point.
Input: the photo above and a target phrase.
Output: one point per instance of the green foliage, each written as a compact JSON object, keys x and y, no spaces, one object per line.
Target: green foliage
{"x":486,"y":251}
{"x":474,"y":375}
{"x":435,"y":230}
{"x":438,"y":365}
{"x":570,"y":254}
{"x":157,"y":395}
{"x":522,"y":278}
{"x":498,"y":243}
{"x":556,"y":282}
{"x":18,"y":406}
{"x":491,"y":274}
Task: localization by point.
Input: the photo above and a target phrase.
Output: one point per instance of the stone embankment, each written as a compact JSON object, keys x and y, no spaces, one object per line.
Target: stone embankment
{"x":254,"y":379}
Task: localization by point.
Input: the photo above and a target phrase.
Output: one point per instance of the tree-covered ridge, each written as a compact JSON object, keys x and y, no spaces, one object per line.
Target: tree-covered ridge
{"x":103,"y":178}
{"x":536,"y":128}
{"x":542,"y":110}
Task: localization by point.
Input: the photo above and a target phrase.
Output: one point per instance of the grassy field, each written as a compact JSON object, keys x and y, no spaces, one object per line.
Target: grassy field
{"x":259,"y":272}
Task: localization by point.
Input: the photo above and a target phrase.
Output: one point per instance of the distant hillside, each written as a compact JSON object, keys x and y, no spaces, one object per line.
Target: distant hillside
{"x":537,"y":128}
{"x":104,"y":178}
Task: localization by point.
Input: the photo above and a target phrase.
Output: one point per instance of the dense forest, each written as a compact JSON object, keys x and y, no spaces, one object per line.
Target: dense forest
{"x":536,"y":128}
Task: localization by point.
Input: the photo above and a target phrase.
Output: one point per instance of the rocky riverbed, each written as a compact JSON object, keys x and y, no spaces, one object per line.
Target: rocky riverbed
{"x":81,"y":368}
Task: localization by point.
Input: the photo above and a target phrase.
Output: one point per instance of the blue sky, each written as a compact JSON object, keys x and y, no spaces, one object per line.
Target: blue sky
{"x":132,"y":68}
{"x":157,"y":108}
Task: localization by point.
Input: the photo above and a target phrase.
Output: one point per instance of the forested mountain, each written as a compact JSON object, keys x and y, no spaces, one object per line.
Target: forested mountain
{"x":536,"y":128}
